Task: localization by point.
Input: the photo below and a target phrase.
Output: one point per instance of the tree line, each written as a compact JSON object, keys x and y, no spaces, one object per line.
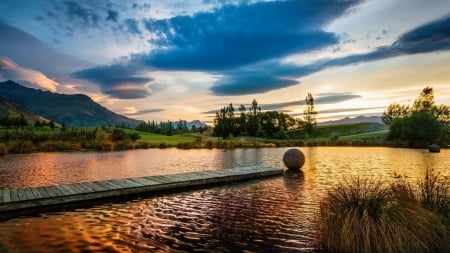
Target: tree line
{"x":422,"y":123}
{"x":169,"y":128}
{"x":13,"y":122}
{"x":254,"y":122}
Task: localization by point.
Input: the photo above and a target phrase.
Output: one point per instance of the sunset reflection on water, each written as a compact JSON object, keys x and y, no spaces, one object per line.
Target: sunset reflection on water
{"x":269,"y":215}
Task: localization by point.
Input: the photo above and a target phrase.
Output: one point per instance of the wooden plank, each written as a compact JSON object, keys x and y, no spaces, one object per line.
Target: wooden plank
{"x":131,"y":183}
{"x":113,"y":184}
{"x":104,"y":186}
{"x":92,"y":185}
{"x":36,"y":193}
{"x":63,"y":190}
{"x":21,"y":193}
{"x":73,"y":189}
{"x":124,"y":184}
{"x":14,"y":195}
{"x":6,"y":195}
{"x":144,"y":181}
{"x":53,"y":191}
{"x":137,"y":181}
{"x":42,"y":192}
{"x":29,"y":194}
{"x":85,"y":188}
{"x":161,"y":179}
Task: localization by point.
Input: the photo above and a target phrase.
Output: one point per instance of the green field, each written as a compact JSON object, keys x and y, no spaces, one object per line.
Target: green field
{"x":158,"y":138}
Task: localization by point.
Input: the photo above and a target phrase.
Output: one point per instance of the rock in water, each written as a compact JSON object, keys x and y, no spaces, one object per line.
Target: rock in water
{"x":434,"y":148}
{"x":294,"y":159}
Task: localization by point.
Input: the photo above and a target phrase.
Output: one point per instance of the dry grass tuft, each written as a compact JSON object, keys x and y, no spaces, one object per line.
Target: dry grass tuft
{"x":3,"y":149}
{"x":361,"y":215}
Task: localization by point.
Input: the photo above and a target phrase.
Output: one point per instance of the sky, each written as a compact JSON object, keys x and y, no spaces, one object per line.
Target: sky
{"x":176,"y":59}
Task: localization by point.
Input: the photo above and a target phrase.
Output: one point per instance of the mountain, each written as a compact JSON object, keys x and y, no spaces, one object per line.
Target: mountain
{"x":196,"y":123}
{"x":73,"y":110}
{"x":14,"y":110}
{"x":189,"y":125}
{"x":347,"y":120}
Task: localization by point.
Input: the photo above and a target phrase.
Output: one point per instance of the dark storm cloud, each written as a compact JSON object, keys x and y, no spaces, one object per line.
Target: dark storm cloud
{"x":119,"y":81}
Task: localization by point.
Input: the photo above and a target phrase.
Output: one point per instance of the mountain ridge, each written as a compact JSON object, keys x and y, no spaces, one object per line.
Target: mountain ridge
{"x":10,"y":109}
{"x":75,"y":110}
{"x":349,"y":120}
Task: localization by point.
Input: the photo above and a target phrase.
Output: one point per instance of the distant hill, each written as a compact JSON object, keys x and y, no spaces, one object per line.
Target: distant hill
{"x":189,"y":125}
{"x":196,"y":123}
{"x":328,"y":131}
{"x":348,"y":120}
{"x":14,"y":110}
{"x":72,"y":110}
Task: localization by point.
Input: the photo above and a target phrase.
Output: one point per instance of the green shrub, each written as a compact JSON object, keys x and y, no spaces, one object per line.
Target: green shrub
{"x":365,"y":216}
{"x":3,"y":149}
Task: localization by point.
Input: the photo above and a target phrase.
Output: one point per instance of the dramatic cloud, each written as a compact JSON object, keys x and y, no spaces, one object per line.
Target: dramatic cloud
{"x":30,"y":52}
{"x":9,"y":70}
{"x":137,"y":113}
{"x":319,"y":99}
{"x":234,"y":36}
{"x":224,"y":39}
{"x":249,"y":83}
{"x":119,"y":81}
{"x":431,"y":37}
{"x":346,"y":110}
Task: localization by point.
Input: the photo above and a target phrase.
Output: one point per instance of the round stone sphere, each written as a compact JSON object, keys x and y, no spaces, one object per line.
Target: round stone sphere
{"x":294,"y":159}
{"x":434,"y":148}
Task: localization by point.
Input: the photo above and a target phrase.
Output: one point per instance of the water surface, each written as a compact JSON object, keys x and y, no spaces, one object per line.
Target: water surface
{"x":270,"y":215}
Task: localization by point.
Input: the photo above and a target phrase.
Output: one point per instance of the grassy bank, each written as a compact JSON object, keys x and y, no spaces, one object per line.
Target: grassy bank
{"x":45,"y":139}
{"x":362,"y":215}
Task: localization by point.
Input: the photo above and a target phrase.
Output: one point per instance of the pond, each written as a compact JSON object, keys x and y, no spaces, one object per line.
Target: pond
{"x":270,"y":215}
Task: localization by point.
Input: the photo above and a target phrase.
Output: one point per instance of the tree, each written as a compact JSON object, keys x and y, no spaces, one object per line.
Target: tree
{"x":395,"y":111}
{"x":425,"y":101}
{"x":225,"y":123}
{"x":309,"y":115}
{"x":421,"y":124}
{"x":420,"y":129}
{"x":242,"y":123}
{"x":254,"y":119}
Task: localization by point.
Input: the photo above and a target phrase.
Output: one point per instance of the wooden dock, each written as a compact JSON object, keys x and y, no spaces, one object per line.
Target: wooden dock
{"x":38,"y":197}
